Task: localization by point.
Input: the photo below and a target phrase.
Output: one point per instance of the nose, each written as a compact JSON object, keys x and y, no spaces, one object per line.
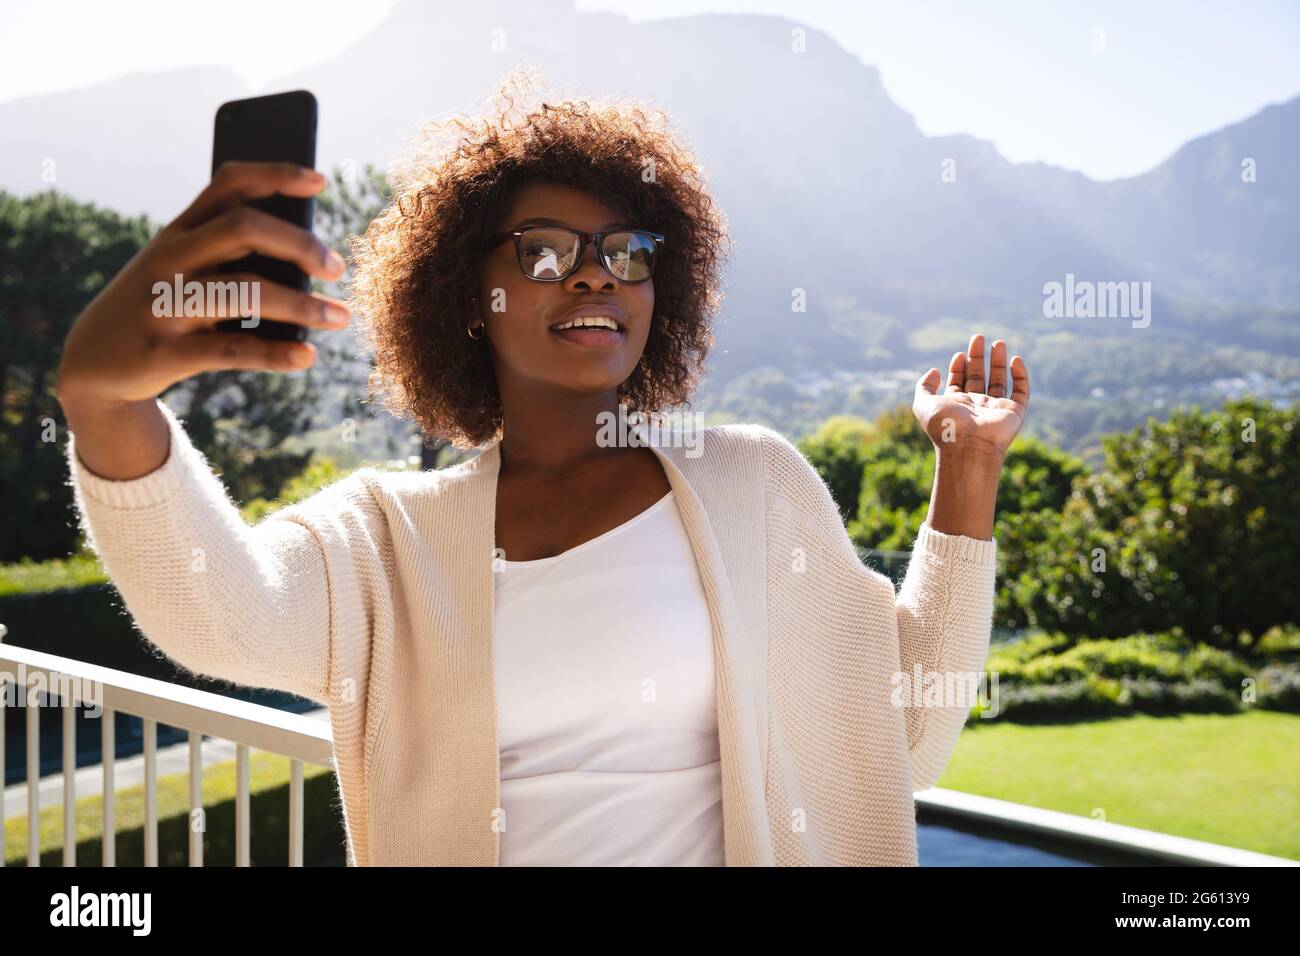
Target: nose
{"x":590,"y":274}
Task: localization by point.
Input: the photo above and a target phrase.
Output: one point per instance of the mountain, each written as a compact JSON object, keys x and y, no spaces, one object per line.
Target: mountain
{"x":1194,"y":223}
{"x":139,"y":143}
{"x":827,"y":184}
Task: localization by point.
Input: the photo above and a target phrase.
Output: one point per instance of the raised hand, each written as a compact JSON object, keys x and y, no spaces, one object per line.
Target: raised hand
{"x":974,"y":411}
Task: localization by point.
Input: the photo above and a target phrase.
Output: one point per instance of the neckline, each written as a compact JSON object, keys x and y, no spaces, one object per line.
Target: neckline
{"x":635,"y":519}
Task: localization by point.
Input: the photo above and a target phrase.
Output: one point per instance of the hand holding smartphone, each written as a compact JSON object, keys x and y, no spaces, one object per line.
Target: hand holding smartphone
{"x":276,"y":128}
{"x":147,"y":329}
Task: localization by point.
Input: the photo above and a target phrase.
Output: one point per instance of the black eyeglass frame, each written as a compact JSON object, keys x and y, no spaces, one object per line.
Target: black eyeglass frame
{"x":586,"y":239}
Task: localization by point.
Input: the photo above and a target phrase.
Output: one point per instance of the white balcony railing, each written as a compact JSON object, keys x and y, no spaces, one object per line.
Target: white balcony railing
{"x":64,"y":682}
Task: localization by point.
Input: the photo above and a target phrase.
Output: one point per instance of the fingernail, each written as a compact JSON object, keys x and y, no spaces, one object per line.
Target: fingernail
{"x":333,"y":261}
{"x":299,"y":355}
{"x":313,"y":175}
{"x":336,"y":314}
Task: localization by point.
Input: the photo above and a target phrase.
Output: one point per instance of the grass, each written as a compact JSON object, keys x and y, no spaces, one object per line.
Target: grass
{"x":28,"y":576}
{"x":268,"y":776}
{"x":1231,"y":779}
{"x":1227,"y":779}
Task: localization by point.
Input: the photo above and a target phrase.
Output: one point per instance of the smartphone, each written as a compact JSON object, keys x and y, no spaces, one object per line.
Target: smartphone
{"x":279,"y":127}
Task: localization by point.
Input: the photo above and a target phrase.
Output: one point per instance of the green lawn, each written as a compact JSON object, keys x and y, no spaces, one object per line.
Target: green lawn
{"x":268,"y":778}
{"x":1229,"y":779}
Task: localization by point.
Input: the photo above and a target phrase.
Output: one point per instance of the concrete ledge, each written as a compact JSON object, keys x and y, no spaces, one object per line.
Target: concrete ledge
{"x":1069,"y":828}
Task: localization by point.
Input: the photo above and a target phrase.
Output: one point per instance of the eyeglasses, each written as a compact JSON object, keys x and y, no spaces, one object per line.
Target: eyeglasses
{"x":553,"y":253}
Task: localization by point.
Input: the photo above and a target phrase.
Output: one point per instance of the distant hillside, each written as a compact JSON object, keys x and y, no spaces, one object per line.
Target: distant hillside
{"x":829,"y":187}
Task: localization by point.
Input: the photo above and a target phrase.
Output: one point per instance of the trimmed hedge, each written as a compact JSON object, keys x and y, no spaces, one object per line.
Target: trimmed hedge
{"x":1051,"y":676}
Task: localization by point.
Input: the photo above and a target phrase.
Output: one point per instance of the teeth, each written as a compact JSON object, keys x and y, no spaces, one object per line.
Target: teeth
{"x":588,"y":322}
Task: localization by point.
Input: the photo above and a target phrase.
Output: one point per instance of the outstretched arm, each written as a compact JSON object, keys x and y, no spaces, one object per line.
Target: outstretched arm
{"x":945,"y":605}
{"x":250,"y":604}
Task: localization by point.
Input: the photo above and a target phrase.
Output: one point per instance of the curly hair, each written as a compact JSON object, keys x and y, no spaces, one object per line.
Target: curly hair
{"x":417,"y":269}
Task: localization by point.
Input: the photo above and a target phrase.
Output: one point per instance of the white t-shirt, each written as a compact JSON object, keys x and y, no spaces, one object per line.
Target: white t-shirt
{"x":606,"y":703}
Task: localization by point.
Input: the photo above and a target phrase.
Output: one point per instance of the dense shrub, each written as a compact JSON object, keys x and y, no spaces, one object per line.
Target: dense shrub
{"x":1189,"y":523}
{"x":1279,"y":643}
{"x":1279,"y":687}
{"x":1051,"y":676}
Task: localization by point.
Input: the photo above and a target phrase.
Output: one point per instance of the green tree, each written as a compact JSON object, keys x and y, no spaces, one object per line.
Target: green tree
{"x":344,"y":211}
{"x":894,"y":464}
{"x":1190,"y":523}
{"x":346,"y":206}
{"x":243,"y":420}
{"x":55,"y":255}
{"x":896,"y":482}
{"x":1036,"y":477}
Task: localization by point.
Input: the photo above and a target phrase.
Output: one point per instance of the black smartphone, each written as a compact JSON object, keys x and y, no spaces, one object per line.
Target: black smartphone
{"x":279,"y":127}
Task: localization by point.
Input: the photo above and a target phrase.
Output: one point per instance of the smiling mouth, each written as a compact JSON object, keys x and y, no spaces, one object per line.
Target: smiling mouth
{"x":591,"y":331}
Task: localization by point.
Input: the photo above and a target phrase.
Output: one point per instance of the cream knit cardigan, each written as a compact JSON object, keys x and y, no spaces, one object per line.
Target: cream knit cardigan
{"x":375,"y":597}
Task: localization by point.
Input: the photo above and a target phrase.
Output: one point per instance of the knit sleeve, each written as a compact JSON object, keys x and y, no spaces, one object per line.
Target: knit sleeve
{"x":940,"y":619}
{"x":945,"y":615}
{"x":254,"y":605}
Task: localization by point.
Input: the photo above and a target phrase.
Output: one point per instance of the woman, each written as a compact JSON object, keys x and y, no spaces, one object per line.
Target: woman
{"x":565,"y":650}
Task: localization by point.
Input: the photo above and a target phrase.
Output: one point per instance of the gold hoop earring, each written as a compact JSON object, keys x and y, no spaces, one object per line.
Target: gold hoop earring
{"x":482,"y":330}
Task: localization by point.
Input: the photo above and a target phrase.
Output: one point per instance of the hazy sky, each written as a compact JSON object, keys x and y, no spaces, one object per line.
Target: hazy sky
{"x":1022,"y":73}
